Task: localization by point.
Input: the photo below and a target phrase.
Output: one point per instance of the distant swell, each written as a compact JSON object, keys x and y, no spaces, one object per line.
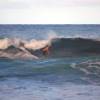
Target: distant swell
{"x":58,"y":47}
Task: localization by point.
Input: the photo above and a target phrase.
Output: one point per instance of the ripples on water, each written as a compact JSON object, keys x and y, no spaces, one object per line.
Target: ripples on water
{"x":70,"y":78}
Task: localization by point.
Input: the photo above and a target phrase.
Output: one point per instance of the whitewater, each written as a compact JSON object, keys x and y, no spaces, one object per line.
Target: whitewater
{"x":70,"y":71}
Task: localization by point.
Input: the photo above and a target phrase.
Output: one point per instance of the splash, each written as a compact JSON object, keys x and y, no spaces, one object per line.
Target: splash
{"x":32,"y":44}
{"x":52,"y":34}
{"x":36,"y":44}
{"x":4,"y":43}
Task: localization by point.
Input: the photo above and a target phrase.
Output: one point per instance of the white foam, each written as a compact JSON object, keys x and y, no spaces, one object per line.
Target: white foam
{"x":4,"y":43}
{"x":32,"y":44}
{"x":36,"y":44}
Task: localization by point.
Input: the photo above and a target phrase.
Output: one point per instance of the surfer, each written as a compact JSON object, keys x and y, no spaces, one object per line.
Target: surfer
{"x":45,"y":50}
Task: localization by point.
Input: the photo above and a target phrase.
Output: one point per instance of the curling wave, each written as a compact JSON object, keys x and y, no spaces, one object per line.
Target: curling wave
{"x":65,"y":47}
{"x":57,"y":47}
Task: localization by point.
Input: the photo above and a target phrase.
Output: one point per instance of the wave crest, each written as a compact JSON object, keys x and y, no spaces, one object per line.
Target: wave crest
{"x":58,"y":47}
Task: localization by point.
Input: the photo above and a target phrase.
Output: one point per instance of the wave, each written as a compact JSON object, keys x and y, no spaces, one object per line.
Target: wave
{"x":17,"y":48}
{"x":57,"y":47}
{"x":65,"y":47}
{"x":32,"y":44}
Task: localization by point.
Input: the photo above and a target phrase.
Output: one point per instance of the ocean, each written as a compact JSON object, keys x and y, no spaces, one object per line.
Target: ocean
{"x":50,"y":62}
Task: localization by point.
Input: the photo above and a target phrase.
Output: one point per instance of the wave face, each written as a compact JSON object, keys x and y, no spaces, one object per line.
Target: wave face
{"x":64,"y":47}
{"x":57,"y":47}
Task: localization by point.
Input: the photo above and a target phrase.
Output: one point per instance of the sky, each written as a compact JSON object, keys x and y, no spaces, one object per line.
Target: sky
{"x":49,"y":11}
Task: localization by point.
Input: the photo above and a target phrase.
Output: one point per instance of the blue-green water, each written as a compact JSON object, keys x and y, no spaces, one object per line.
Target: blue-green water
{"x":43,"y":31}
{"x":63,"y":78}
{"x":56,"y":79}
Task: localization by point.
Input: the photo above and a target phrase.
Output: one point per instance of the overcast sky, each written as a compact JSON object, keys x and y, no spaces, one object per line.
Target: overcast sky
{"x":50,"y":11}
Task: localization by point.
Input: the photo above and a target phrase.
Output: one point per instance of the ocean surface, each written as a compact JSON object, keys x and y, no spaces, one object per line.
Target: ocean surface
{"x":69,"y":71}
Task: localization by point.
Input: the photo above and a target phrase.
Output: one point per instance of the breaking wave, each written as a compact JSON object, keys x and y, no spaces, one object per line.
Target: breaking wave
{"x":70,"y":59}
{"x":58,"y":47}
